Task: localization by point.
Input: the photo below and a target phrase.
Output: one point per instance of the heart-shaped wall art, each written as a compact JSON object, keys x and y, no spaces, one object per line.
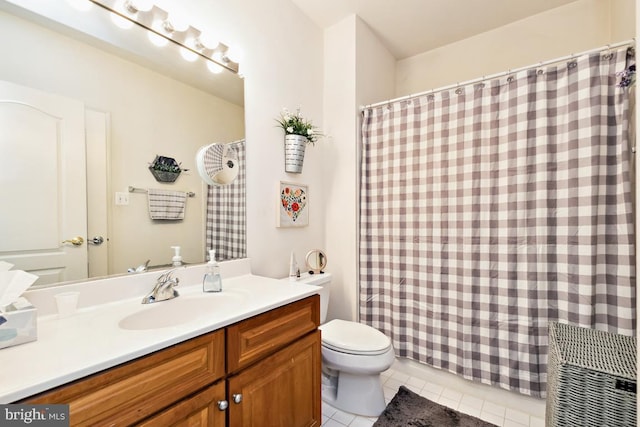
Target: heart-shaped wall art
{"x":293,"y":200}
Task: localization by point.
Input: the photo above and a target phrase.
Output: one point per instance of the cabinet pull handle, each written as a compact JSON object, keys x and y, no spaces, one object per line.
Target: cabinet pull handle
{"x":237,"y":398}
{"x":223,"y":405}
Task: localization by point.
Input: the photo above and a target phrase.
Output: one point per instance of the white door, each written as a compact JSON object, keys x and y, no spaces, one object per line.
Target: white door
{"x":42,"y":183}
{"x":97,"y":145}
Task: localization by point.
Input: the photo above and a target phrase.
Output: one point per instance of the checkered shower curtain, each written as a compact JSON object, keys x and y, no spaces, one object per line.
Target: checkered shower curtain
{"x":489,"y":210}
{"x":227,"y":213}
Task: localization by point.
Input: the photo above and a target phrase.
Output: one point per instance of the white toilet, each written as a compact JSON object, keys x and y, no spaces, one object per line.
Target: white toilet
{"x":353,"y":356}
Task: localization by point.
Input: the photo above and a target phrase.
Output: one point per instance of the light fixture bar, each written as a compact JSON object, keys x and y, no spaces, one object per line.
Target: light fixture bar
{"x":145,"y":19}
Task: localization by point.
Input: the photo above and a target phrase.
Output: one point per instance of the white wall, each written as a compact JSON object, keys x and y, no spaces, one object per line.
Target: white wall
{"x":575,"y":27}
{"x":340,"y":123}
{"x":283,"y":67}
{"x":358,"y":70}
{"x":623,"y":20}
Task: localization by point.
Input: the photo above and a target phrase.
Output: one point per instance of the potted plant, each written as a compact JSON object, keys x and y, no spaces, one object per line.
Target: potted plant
{"x":298,"y":132}
{"x":165,"y":169}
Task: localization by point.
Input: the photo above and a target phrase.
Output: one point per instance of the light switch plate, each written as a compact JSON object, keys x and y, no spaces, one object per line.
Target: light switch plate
{"x":122,"y":198}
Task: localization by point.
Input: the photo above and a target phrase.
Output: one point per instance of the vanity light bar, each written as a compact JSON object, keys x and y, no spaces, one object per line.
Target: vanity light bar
{"x":188,"y":39}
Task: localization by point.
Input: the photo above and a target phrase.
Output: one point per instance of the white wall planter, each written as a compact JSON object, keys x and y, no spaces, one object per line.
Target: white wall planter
{"x":294,"y":147}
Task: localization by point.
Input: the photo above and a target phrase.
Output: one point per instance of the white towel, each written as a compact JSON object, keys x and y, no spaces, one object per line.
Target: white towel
{"x":165,"y":204}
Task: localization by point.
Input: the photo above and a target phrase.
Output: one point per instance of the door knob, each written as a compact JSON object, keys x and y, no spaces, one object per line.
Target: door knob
{"x":97,"y":240}
{"x":222,"y":405}
{"x":76,"y":241}
{"x":237,"y":398}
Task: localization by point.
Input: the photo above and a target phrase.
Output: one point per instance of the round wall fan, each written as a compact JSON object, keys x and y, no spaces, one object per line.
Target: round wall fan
{"x":218,"y":163}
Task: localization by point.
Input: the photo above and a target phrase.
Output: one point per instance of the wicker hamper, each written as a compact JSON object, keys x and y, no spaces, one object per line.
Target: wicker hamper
{"x":591,"y":378}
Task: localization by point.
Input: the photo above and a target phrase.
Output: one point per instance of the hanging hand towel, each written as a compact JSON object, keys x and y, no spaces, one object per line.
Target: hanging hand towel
{"x":165,"y":204}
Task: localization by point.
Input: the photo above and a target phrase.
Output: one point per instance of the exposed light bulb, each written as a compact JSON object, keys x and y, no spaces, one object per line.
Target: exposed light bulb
{"x":154,"y":35}
{"x":191,"y":42}
{"x":188,"y":55}
{"x":217,"y":56}
{"x":174,"y":28}
{"x":157,"y":39}
{"x":214,"y":68}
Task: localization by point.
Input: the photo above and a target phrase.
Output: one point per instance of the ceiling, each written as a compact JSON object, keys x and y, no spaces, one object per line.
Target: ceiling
{"x":410,"y":27}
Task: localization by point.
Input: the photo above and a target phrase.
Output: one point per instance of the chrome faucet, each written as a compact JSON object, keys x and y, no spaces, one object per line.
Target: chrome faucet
{"x":139,"y":269}
{"x":164,"y":288}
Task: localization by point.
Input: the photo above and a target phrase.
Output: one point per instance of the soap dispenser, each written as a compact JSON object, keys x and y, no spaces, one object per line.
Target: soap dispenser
{"x":212,"y":281}
{"x":177,"y":259}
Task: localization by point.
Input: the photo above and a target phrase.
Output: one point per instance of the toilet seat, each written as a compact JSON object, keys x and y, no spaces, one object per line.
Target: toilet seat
{"x":354,"y":338}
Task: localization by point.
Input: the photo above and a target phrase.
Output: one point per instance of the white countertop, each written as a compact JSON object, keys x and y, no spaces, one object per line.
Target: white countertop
{"x":92,"y":340}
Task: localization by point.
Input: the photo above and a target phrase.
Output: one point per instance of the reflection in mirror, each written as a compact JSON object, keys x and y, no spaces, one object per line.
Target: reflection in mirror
{"x":174,"y":29}
{"x":218,"y":163}
{"x":226,"y":209}
{"x":131,"y":109}
{"x":316,"y":261}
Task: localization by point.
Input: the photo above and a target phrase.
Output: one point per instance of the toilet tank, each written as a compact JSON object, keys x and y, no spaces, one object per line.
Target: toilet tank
{"x":324,"y":281}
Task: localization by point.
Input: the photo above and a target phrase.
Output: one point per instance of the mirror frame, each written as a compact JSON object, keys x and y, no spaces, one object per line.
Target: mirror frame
{"x":316,"y":261}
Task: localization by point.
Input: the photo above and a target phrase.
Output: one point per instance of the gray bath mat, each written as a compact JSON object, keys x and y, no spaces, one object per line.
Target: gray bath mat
{"x":408,"y":409}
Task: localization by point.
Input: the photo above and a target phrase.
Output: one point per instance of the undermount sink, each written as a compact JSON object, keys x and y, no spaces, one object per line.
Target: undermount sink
{"x":181,"y":310}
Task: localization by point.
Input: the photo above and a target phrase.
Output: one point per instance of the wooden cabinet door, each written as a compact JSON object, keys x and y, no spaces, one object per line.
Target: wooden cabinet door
{"x":281,"y":390}
{"x":200,"y":410}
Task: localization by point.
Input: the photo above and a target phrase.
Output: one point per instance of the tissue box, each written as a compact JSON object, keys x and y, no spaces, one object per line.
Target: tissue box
{"x":21,"y":324}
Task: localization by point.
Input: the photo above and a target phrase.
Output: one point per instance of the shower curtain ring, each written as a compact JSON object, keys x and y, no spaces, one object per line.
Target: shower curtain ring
{"x":509,"y":76}
{"x":608,"y":55}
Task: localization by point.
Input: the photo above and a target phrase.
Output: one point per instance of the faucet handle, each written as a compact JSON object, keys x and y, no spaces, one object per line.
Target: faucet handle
{"x":167,"y":276}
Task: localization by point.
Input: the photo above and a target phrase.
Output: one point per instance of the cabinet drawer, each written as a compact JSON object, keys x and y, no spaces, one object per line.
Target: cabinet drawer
{"x":254,"y":338}
{"x":135,"y":390}
{"x":200,"y":410}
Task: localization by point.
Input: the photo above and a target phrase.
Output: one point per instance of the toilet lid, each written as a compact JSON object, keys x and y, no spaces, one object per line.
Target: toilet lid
{"x":353,"y":338}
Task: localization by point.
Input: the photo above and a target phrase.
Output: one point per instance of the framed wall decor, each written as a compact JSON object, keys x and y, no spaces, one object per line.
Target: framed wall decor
{"x":293,"y":205}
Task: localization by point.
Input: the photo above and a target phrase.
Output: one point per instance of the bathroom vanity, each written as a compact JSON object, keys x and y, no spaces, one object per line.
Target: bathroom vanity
{"x":254,"y":361}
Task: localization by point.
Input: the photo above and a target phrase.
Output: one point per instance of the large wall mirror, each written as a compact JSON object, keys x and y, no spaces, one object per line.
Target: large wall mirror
{"x":132,"y":102}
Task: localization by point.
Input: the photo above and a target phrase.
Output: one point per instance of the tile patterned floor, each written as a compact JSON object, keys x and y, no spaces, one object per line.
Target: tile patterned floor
{"x":491,"y":404}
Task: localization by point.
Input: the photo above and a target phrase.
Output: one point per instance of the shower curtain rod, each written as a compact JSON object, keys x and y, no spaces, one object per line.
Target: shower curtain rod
{"x":501,"y":74}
